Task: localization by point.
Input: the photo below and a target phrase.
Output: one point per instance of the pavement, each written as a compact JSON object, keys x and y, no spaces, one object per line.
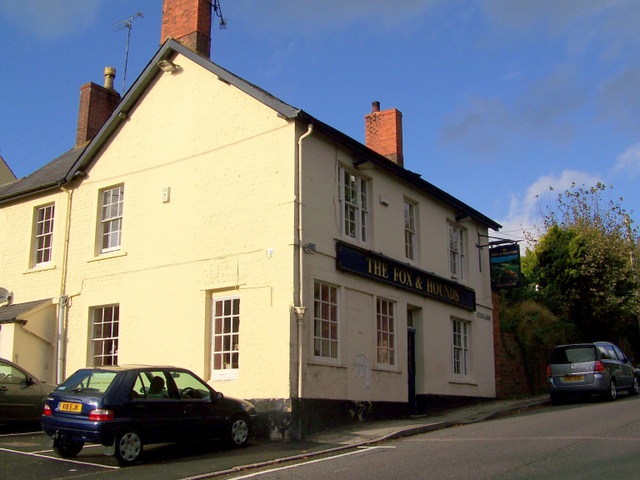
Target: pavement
{"x":376,"y":431}
{"x":362,"y":434}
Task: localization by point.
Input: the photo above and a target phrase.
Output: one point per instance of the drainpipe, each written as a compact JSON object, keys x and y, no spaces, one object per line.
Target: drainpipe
{"x":299,"y":309}
{"x":63,"y":301}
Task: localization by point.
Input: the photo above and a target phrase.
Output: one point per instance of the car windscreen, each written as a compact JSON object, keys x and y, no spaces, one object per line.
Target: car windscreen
{"x":89,"y":382}
{"x":573,"y":355}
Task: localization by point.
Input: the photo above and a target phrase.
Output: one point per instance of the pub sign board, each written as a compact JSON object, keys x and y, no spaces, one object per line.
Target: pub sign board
{"x":387,"y":270}
{"x":505,"y":266}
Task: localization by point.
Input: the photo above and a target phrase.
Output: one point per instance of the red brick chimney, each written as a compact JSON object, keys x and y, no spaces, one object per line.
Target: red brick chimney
{"x":383,"y":132}
{"x":188,"y":21}
{"x":96,"y":106}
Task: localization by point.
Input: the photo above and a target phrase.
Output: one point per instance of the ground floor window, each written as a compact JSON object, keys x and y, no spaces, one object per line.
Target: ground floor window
{"x":226,"y":338}
{"x":461,"y":330}
{"x":104,"y":339}
{"x":325,"y":320}
{"x":386,"y":332}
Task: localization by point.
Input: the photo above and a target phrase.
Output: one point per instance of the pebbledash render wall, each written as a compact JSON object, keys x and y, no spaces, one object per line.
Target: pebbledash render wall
{"x":208,"y":212}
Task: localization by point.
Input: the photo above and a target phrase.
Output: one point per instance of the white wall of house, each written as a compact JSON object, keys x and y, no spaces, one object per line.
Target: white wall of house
{"x":355,"y":374}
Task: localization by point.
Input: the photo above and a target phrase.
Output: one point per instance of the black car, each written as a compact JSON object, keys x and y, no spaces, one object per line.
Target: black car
{"x":22,"y":395}
{"x":127,"y":407}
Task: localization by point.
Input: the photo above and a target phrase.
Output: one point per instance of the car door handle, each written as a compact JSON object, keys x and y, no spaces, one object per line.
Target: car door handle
{"x":4,"y":389}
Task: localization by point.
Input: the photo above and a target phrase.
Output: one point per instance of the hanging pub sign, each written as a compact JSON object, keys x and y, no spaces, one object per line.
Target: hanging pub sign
{"x":505,"y":266}
{"x":387,"y":270}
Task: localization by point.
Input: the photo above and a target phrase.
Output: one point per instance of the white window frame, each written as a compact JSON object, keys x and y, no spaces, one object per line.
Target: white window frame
{"x":225,"y":338}
{"x":111,"y":215}
{"x":44,"y":217}
{"x":460,"y":347}
{"x":457,"y":251}
{"x":105,"y":326}
{"x":386,"y":333}
{"x":326,"y":321}
{"x":409,"y":229}
{"x":354,"y":205}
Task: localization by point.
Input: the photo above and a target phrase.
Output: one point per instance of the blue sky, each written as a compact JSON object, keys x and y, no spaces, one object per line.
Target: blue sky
{"x":501,"y":99}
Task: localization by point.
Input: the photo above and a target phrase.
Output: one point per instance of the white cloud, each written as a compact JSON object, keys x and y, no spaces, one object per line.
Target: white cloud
{"x":629,"y":162}
{"x":51,"y":19}
{"x":527,"y":211}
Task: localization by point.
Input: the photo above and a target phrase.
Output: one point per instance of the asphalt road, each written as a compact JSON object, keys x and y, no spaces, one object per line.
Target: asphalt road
{"x":581,"y":440}
{"x":592,"y":440}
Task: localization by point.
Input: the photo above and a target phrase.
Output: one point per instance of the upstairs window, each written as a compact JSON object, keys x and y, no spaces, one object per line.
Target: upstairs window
{"x":354,"y":205}
{"x":111,"y":204}
{"x":43,"y":235}
{"x":409,"y":230}
{"x":457,"y":248}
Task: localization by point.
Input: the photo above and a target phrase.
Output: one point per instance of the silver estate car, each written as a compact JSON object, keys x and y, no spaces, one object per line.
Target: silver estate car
{"x":590,"y":368}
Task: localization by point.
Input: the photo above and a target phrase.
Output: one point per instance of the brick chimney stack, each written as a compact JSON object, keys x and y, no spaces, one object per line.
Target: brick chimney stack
{"x":383,"y":132}
{"x":96,"y":106}
{"x":189,"y":22}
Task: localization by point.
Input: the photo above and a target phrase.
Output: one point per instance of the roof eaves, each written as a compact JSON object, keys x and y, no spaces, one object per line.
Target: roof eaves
{"x":377,"y":159}
{"x":16,"y":312}
{"x":171,"y":48}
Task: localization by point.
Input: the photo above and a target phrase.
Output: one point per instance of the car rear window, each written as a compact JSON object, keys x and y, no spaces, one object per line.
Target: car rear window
{"x":573,"y":355}
{"x":88,"y":382}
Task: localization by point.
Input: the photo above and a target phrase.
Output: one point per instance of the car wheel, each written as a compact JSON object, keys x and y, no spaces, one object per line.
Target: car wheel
{"x":128,"y":447}
{"x":238,"y":431}
{"x":66,"y":447}
{"x":635,"y":388}
{"x":612,"y":394}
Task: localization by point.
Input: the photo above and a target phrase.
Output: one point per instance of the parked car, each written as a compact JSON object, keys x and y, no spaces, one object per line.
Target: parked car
{"x":590,"y":368}
{"x":22,"y":395}
{"x":127,"y":407}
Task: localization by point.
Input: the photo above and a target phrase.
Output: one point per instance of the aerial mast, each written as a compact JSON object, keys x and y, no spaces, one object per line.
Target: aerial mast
{"x":121,"y":25}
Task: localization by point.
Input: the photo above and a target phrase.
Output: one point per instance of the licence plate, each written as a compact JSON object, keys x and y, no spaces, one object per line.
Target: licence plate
{"x":573,"y":378}
{"x":70,"y":407}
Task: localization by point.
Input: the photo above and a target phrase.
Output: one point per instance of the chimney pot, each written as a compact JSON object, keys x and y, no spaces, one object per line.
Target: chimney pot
{"x":375,"y":106}
{"x":109,"y":76}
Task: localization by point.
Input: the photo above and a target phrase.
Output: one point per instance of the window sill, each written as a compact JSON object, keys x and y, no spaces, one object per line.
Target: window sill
{"x":105,"y":256}
{"x":320,"y":362}
{"x":386,"y":369}
{"x":463,"y":381}
{"x":41,"y":268}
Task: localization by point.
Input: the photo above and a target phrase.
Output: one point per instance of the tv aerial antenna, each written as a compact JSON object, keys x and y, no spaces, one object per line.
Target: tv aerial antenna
{"x":121,"y":25}
{"x":217,"y":11}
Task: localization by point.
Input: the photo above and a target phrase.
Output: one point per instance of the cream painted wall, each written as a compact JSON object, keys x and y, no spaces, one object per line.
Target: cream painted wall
{"x":228,"y":162}
{"x":227,"y":229}
{"x":17,"y":273}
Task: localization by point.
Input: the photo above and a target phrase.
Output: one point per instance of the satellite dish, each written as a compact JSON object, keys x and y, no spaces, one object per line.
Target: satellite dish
{"x":4,"y":295}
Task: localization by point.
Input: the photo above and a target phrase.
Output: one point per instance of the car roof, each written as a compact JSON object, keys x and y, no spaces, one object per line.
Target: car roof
{"x":584,"y":344}
{"x":126,"y":368}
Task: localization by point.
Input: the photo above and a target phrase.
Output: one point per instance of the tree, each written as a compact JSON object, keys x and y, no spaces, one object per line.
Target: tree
{"x":583,"y":267}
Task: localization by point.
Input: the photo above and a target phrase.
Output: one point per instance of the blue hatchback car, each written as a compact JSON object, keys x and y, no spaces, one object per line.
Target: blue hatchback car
{"x":127,"y":407}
